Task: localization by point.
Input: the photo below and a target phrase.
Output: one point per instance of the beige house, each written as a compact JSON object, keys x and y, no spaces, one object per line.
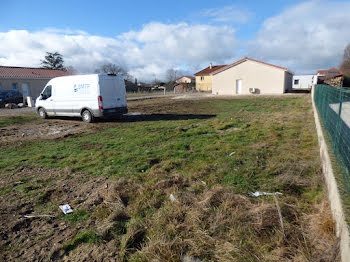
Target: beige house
{"x":28,"y":81}
{"x":185,"y":79}
{"x":249,"y":76}
{"x":204,"y":78}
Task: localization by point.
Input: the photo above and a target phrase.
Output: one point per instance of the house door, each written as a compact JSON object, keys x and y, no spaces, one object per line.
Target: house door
{"x":25,"y":90}
{"x":239,"y":86}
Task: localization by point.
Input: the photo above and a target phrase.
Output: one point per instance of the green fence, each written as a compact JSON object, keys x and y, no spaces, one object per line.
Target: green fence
{"x":333,"y":104}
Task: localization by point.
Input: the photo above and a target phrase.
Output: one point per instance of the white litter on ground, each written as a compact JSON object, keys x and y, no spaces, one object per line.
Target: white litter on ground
{"x":261,"y":193}
{"x":66,"y":209}
{"x":172,"y":198}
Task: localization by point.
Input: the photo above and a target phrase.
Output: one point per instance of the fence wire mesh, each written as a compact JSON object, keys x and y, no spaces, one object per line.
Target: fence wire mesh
{"x":333,"y":104}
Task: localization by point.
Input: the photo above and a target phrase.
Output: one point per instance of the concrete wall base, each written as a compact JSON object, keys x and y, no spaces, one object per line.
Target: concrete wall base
{"x":342,"y":229}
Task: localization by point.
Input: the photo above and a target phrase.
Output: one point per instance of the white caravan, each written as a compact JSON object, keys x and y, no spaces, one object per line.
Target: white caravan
{"x":86,"y":96}
{"x":304,"y":81}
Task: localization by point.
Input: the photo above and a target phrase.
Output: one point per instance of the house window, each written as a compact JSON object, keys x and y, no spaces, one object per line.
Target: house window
{"x":202,"y":78}
{"x":296,"y":82}
{"x":14,"y":86}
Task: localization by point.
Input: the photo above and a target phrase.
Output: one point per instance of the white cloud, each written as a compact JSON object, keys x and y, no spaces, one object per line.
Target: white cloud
{"x":228,"y":14}
{"x":146,"y":53}
{"x":305,"y":37}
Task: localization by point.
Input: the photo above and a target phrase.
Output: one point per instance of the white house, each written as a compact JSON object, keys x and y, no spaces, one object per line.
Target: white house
{"x":185,"y":79}
{"x":304,"y":81}
{"x":249,"y":76}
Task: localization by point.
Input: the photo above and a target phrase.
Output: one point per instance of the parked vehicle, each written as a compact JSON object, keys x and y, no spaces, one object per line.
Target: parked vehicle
{"x":10,"y":96}
{"x":3,"y":97}
{"x":87,"y":96}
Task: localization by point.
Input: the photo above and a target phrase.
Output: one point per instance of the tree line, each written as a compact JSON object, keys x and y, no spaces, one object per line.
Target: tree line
{"x":56,"y":61}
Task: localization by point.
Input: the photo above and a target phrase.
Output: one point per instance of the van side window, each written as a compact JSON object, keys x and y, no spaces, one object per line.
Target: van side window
{"x":47,"y":92}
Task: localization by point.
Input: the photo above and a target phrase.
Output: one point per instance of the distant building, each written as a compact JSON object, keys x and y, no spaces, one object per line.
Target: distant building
{"x":333,"y":77}
{"x":204,"y":79}
{"x":185,"y":79}
{"x":304,"y":81}
{"x":29,"y":81}
{"x":329,"y":72}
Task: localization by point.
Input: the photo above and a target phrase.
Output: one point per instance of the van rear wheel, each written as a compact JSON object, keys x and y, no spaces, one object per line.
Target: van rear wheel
{"x":42,"y":113}
{"x":87,"y":116}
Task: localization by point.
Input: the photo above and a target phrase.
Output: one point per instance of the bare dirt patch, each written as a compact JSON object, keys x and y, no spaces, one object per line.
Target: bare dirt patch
{"x":54,"y":128}
{"x":38,"y":191}
{"x":50,"y":129}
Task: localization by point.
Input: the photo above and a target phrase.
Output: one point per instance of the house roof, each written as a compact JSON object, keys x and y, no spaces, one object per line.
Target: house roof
{"x":208,"y":70}
{"x":29,"y":72}
{"x":329,"y":76}
{"x":243,"y":60}
{"x":330,"y":72}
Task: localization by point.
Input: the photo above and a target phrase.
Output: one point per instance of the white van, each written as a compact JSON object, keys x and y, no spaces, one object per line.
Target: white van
{"x":87,"y":96}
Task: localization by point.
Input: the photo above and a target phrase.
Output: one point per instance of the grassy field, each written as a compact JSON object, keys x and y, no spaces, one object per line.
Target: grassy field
{"x":208,"y":154}
{"x":13,"y":120}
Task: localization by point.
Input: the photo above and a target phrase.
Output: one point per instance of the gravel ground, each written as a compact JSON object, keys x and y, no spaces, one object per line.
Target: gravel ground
{"x":16,"y":111}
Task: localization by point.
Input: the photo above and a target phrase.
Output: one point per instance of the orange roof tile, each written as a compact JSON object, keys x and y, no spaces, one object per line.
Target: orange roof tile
{"x":330,"y":72}
{"x":28,"y":72}
{"x":243,"y":60}
{"x":208,"y":70}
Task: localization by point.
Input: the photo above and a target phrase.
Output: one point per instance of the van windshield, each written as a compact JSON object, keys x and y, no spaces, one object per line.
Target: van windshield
{"x":47,"y":92}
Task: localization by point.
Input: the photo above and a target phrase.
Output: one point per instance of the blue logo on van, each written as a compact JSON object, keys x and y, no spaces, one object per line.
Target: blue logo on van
{"x":81,"y":88}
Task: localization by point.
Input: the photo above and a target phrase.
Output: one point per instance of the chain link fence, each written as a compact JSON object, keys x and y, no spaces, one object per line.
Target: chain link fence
{"x":333,"y":104}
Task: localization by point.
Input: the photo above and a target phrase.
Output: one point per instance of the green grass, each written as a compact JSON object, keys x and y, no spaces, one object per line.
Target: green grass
{"x":77,"y":216}
{"x":82,"y":237}
{"x":5,"y":190}
{"x":261,"y":138}
{"x":13,"y":120}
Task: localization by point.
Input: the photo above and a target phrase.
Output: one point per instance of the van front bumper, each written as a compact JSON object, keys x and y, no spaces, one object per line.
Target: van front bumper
{"x":110,"y":112}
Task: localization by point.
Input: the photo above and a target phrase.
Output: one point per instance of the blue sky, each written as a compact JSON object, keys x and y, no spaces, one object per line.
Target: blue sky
{"x":149,"y":37}
{"x":111,"y":18}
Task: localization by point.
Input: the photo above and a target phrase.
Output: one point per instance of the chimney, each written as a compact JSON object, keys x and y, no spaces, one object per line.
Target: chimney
{"x":210,"y":65}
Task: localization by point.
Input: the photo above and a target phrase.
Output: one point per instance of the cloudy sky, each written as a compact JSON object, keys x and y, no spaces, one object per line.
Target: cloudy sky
{"x":149,"y":37}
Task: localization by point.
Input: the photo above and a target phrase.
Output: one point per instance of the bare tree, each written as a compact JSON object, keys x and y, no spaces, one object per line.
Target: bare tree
{"x":345,"y":65}
{"x":170,"y":75}
{"x":113,"y":69}
{"x":71,"y":70}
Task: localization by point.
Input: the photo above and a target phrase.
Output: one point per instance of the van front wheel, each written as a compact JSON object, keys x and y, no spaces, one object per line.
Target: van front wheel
{"x":87,"y":116}
{"x":42,"y":113}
